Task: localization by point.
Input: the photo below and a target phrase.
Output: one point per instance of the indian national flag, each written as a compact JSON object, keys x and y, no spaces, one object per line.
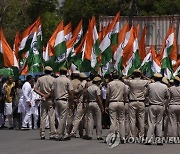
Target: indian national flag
{"x":76,"y":56}
{"x":134,"y":61}
{"x":17,"y":41}
{"x":150,"y":64}
{"x":67,"y":31}
{"x":34,"y":59}
{"x":55,"y":54}
{"x":78,"y":33}
{"x":142,"y":44}
{"x":176,"y":68}
{"x":27,"y":37}
{"x":123,"y":38}
{"x":95,"y":49}
{"x":169,"y":53}
{"x":105,"y":46}
{"x":7,"y":56}
{"x":128,"y":52}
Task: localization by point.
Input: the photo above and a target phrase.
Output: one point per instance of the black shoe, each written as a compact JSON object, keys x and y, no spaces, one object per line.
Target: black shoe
{"x":52,"y":138}
{"x":60,"y":139}
{"x":87,"y":138}
{"x":67,"y":138}
{"x":11,"y":128}
{"x":147,"y":143}
{"x":100,"y":138}
{"x":159,"y":143}
{"x":43,"y":138}
{"x":122,"y":142}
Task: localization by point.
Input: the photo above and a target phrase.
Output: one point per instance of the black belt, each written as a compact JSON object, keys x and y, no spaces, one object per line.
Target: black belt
{"x":157,"y":104}
{"x":116,"y":101}
{"x":137,"y":100}
{"x":174,"y":104}
{"x":61,"y":99}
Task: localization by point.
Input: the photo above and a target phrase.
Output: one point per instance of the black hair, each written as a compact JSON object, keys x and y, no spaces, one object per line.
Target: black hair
{"x":63,"y":72}
{"x":28,"y":78}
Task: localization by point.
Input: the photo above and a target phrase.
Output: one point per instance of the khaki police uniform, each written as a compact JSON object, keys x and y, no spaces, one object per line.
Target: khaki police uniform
{"x":137,"y":94}
{"x":75,"y":83}
{"x":127,"y":129}
{"x":174,"y":112}
{"x":117,"y":94}
{"x":61,"y":88}
{"x":81,"y":109}
{"x":44,"y":84}
{"x":94,"y":111}
{"x":157,"y":93}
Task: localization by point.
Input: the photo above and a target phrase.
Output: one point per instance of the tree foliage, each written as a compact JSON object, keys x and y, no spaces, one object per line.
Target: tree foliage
{"x":17,"y":15}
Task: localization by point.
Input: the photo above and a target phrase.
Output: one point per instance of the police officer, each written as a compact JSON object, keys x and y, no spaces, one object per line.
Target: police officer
{"x":81,"y":106}
{"x":63,"y":94}
{"x":157,"y":93}
{"x":43,"y":87}
{"x":95,"y":109}
{"x":174,"y":109}
{"x":115,"y":103}
{"x":137,"y":93}
{"x":71,"y":112}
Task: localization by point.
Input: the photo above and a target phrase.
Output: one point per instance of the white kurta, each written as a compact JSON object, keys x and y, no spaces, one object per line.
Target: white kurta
{"x":27,"y":92}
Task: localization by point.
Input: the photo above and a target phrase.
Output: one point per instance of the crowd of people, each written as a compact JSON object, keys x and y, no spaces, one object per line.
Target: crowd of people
{"x":133,"y":106}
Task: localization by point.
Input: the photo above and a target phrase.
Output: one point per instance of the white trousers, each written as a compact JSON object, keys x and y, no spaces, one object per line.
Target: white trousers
{"x":8,"y":113}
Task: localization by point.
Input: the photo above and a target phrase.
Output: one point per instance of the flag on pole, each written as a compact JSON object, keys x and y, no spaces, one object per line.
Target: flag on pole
{"x":7,"y":56}
{"x":67,"y":31}
{"x":105,"y":46}
{"x":27,"y":37}
{"x":168,"y":53}
{"x":135,"y":58}
{"x":150,"y":64}
{"x":128,"y":52}
{"x":123,"y":38}
{"x":142,"y":44}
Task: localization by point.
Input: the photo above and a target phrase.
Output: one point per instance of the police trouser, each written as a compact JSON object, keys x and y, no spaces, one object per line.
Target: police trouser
{"x":62,"y":110}
{"x":117,"y":117}
{"x":174,"y":120}
{"x":127,"y":130}
{"x":47,"y":109}
{"x":136,"y":118}
{"x":80,"y":113}
{"x":155,"y":120}
{"x":94,"y":112}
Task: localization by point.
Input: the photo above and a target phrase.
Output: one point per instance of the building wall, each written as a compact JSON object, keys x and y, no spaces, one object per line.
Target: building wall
{"x":157,"y":27}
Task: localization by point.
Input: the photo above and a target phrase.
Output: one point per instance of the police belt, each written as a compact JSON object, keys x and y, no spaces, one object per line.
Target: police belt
{"x":61,"y":99}
{"x":136,"y":100}
{"x":93,"y":101}
{"x":115,"y":101}
{"x":156,"y":104}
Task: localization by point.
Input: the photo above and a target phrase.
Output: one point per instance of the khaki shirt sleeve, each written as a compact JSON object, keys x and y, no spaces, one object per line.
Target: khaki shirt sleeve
{"x":108,"y":90}
{"x":70,"y":87}
{"x":37,"y":84}
{"x":98,"y":92}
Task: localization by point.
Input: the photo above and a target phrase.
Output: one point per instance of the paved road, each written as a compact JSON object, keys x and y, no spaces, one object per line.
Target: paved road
{"x":28,"y":142}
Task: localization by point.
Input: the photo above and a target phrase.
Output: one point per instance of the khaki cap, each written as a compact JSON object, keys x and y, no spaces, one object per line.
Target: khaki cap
{"x":96,"y":79}
{"x":136,"y":71}
{"x":82,"y":75}
{"x":63,"y":69}
{"x":164,"y":80}
{"x":76,"y":72}
{"x":48,"y":68}
{"x":171,"y":81}
{"x":177,"y":78}
{"x":158,"y":75}
{"x":106,"y":80}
